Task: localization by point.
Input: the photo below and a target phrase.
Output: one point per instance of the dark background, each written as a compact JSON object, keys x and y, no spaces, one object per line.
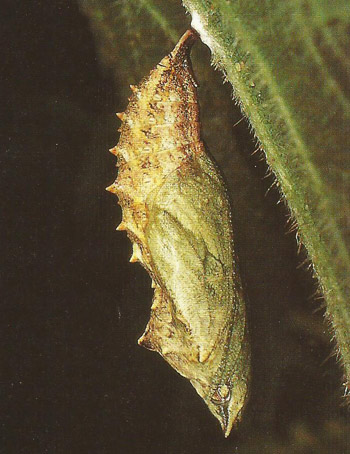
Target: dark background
{"x":73,"y":379}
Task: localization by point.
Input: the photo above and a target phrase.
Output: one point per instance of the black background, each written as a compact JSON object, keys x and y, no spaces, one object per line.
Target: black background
{"x":73,"y":379}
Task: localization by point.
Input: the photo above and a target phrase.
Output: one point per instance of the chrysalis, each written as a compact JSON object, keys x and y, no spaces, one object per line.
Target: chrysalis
{"x":177,"y":215}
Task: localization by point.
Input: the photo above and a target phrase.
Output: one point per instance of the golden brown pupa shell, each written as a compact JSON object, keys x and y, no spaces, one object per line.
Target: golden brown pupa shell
{"x":177,"y":215}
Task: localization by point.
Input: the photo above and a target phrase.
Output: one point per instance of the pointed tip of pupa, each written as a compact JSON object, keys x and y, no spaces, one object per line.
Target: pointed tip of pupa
{"x":226,"y":429}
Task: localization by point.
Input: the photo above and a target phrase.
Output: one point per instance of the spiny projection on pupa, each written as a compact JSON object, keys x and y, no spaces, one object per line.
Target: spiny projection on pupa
{"x":176,"y":213}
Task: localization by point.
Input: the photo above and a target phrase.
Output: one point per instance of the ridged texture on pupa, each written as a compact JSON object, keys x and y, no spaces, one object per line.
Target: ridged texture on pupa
{"x":176,"y":213}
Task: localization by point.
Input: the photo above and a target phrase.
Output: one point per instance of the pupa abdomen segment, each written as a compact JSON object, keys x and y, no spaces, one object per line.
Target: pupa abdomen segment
{"x":177,"y":215}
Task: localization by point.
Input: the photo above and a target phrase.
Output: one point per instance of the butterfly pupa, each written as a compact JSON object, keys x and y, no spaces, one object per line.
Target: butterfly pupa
{"x":176,"y":213}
